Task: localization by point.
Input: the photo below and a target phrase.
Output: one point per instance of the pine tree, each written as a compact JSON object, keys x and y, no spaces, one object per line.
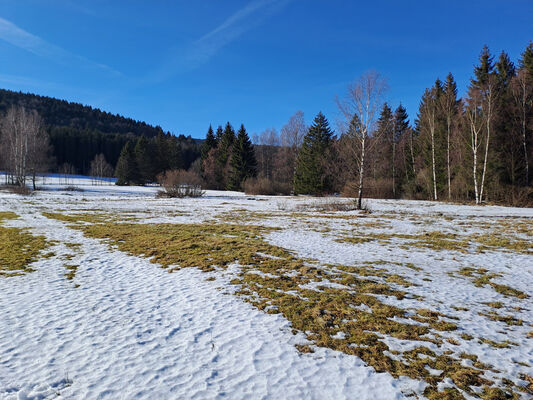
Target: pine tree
{"x":449,"y":106}
{"x":219,"y":134}
{"x":310,"y":176}
{"x":127,"y":172}
{"x":243,"y":164}
{"x":484,"y":70}
{"x":506,"y":135}
{"x":223,"y":155}
{"x":505,"y":70}
{"x":384,"y":146}
{"x":162,"y":152}
{"x":209,"y":143}
{"x":526,"y":61}
{"x":401,"y":128}
{"x":144,"y":157}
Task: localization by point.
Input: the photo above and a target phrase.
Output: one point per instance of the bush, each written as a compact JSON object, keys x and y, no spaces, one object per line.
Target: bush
{"x":180,"y":183}
{"x":264,"y":186}
{"x":22,"y":190}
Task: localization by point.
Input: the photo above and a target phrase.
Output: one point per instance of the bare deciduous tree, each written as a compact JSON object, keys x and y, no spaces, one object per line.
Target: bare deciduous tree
{"x":268,"y":142}
{"x":100,"y":168}
{"x":360,"y":108}
{"x":428,"y":121}
{"x":24,"y":144}
{"x":291,"y":137}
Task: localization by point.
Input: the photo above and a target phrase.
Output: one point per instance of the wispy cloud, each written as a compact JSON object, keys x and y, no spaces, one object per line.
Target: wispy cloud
{"x":18,"y":37}
{"x":202,"y":50}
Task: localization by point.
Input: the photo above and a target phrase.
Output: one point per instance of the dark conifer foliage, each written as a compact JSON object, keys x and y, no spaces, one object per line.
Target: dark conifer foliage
{"x":127,"y":171}
{"x":145,"y":157}
{"x":223,"y":154}
{"x":310,"y":176}
{"x":526,"y":61}
{"x":209,"y":143}
{"x":76,"y":116}
{"x":243,"y":164}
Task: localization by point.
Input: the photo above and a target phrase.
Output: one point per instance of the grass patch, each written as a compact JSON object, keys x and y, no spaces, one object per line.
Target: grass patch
{"x":481,"y":277}
{"x":18,"y":248}
{"x":71,"y":271}
{"x":274,"y":280}
{"x":431,"y":240}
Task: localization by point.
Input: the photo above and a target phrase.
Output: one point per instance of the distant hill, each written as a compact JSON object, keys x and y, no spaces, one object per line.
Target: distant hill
{"x":57,"y":113}
{"x":78,"y":132}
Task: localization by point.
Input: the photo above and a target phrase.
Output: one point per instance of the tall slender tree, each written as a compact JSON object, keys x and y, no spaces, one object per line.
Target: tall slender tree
{"x":481,"y":101}
{"x":450,"y":109}
{"x":361,"y":106}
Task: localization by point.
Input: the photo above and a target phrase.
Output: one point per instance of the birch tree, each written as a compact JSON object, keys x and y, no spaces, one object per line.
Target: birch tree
{"x":449,"y":106}
{"x":428,"y":124}
{"x":360,"y":108}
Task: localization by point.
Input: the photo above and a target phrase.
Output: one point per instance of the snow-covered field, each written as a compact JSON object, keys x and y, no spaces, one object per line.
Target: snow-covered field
{"x":124,"y":328}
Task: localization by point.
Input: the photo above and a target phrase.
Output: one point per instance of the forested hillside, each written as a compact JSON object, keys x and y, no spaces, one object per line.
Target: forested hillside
{"x":78,"y":133}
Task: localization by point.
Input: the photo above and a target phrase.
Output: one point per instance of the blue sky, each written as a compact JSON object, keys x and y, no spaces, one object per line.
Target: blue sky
{"x":186,"y":64}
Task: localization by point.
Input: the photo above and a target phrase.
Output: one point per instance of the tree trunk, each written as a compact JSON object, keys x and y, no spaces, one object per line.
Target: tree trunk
{"x":448,"y":120}
{"x":489,"y":118}
{"x":433,"y":163}
{"x":393,"y":167}
{"x":361,"y":172}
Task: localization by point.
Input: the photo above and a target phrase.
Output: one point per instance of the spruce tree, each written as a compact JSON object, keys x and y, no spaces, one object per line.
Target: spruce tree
{"x":505,"y":70}
{"x":209,"y":143}
{"x":401,"y":127}
{"x":449,"y":106}
{"x":223,"y":155}
{"x":384,"y":146}
{"x":310,"y":176}
{"x":243,"y":164}
{"x":219,"y":134}
{"x":162,"y":153}
{"x":127,"y":172}
{"x":485,"y":68}
{"x":526,"y":61}
{"x":144,"y":157}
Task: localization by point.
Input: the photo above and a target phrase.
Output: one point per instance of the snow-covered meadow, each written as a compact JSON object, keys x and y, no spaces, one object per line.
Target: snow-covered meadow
{"x":99,"y":319}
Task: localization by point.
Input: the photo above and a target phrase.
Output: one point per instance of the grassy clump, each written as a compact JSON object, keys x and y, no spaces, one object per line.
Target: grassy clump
{"x":18,"y":248}
{"x":71,"y":271}
{"x":274,"y":280}
{"x":430,"y":240}
{"x":481,"y":277}
{"x":497,"y":241}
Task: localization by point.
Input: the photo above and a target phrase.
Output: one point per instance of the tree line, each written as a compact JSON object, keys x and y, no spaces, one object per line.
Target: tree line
{"x":477,"y":148}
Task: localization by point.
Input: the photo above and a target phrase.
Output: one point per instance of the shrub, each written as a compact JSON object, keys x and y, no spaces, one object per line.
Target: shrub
{"x":22,"y":190}
{"x":180,"y":183}
{"x":266,"y":186}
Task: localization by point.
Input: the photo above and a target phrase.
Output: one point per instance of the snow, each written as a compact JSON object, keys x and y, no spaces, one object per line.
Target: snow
{"x":132,"y":330}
